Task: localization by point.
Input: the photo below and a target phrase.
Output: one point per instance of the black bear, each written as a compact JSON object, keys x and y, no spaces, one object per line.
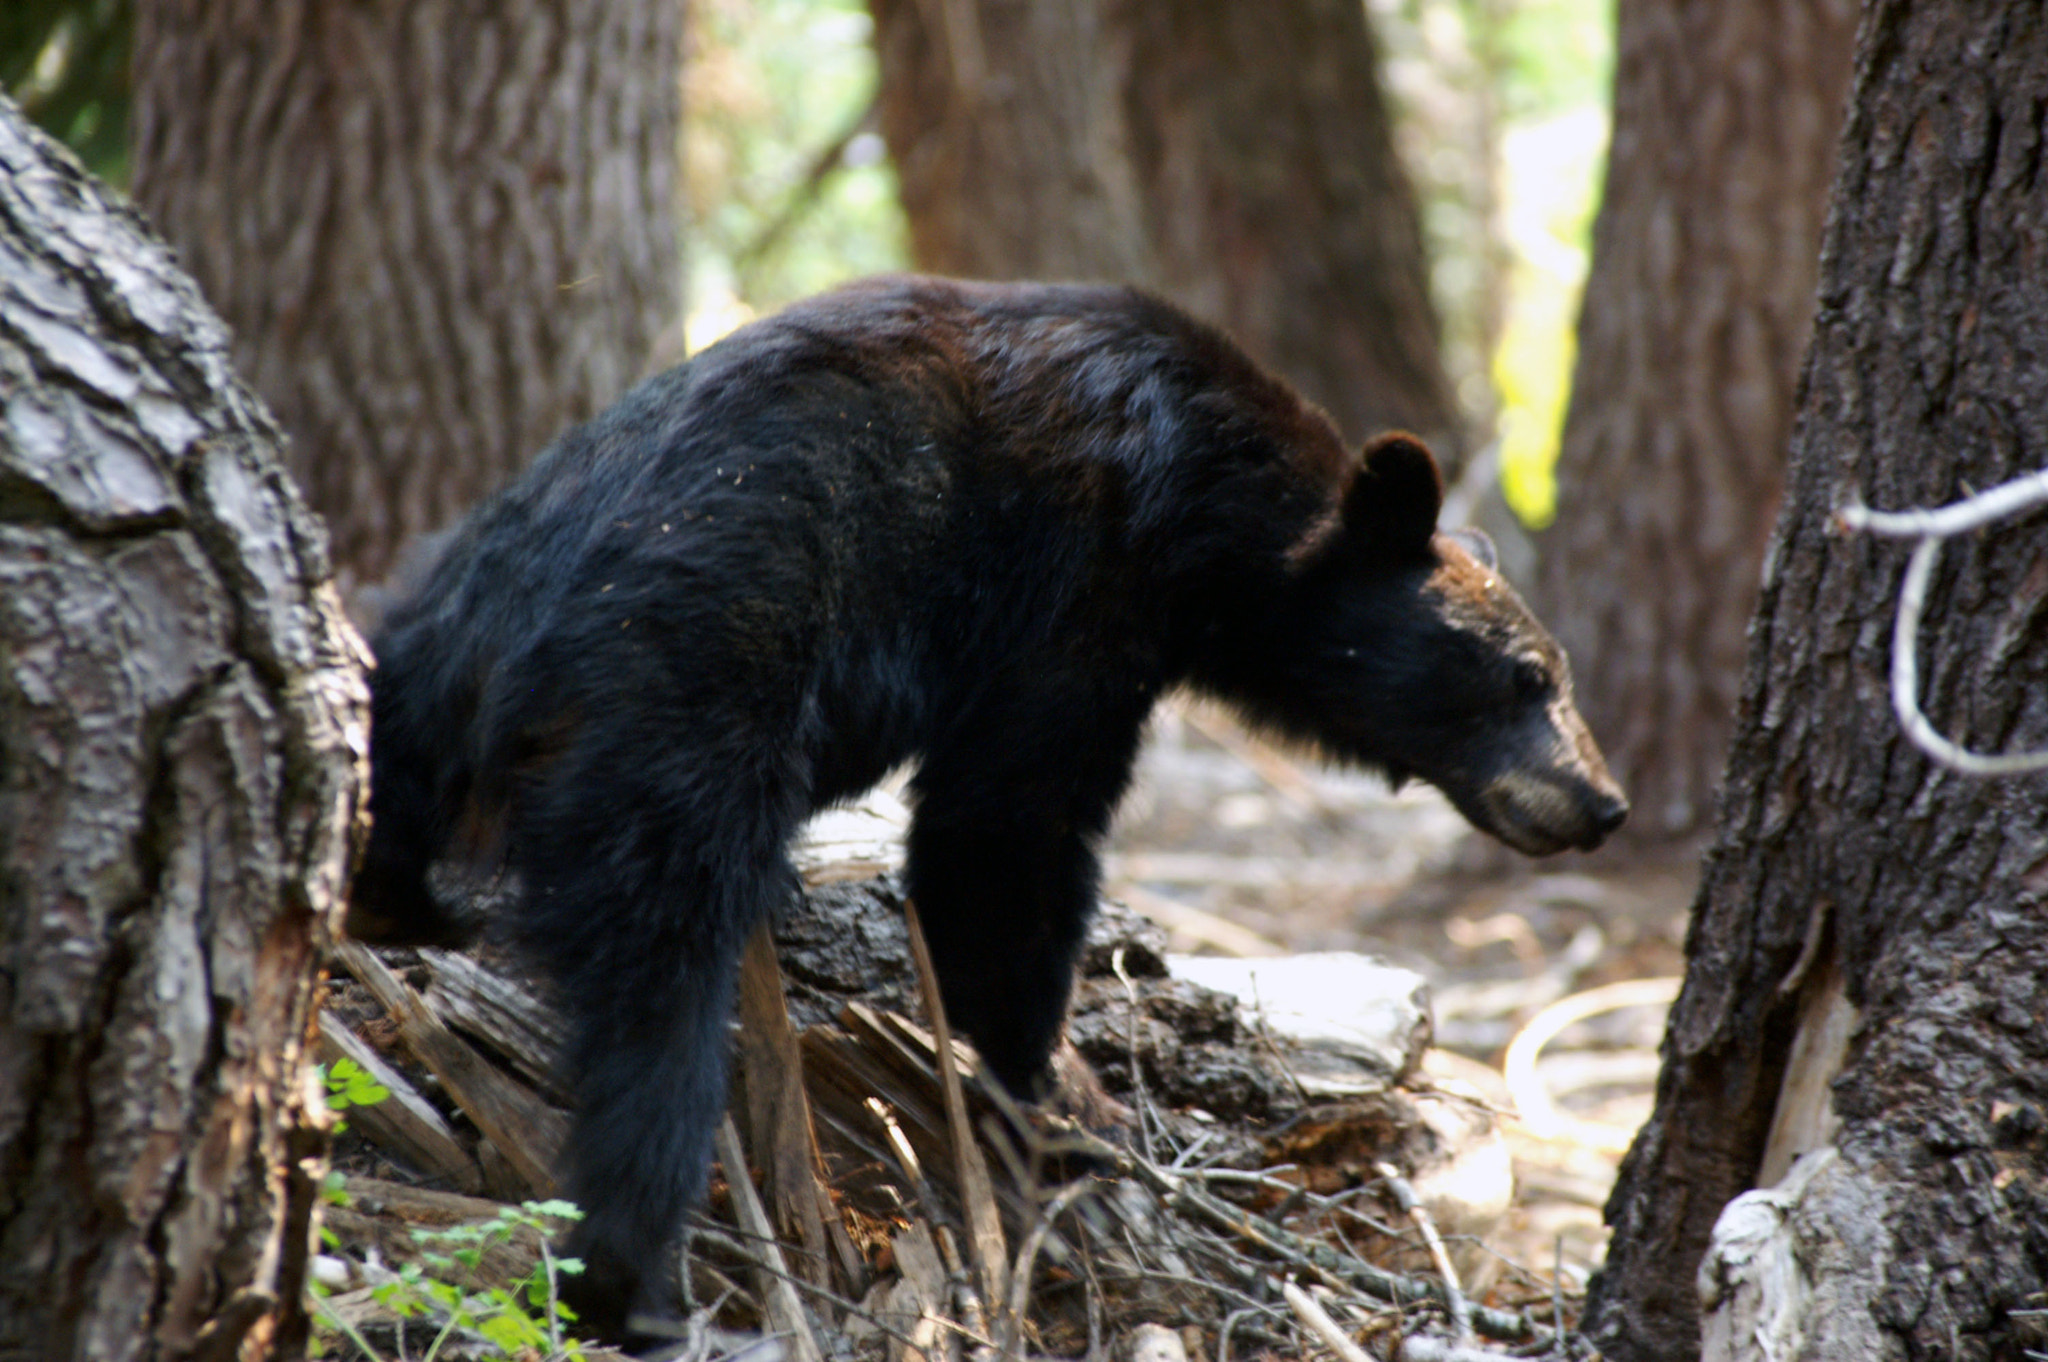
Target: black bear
{"x":976,"y":527}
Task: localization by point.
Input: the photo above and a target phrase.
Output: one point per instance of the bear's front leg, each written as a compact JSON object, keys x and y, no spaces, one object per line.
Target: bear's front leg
{"x":1003,"y":870}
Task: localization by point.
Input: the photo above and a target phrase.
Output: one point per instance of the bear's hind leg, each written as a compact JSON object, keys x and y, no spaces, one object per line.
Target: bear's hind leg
{"x":640,"y":910}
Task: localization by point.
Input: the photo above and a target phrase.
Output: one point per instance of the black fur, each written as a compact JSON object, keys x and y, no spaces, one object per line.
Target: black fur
{"x":976,"y":527}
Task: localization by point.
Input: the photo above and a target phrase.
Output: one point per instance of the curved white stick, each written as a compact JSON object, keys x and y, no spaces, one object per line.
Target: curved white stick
{"x":1931,"y":528}
{"x":2006,"y":499}
{"x":1906,"y":680}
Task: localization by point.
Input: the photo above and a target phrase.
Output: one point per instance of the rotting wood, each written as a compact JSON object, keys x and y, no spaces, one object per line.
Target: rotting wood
{"x":913,"y":1305}
{"x":881,"y":1056}
{"x":505,"y":1012}
{"x":404,"y":1123}
{"x":378,"y":1213}
{"x":844,"y":1077}
{"x":853,"y":1061}
{"x":423,"y":1206}
{"x":1129,"y":1236}
{"x":502,"y":1177}
{"x":526,"y":1130}
{"x":769,"y":1063}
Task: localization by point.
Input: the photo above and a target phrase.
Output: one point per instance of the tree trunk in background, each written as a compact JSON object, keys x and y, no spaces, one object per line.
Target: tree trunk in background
{"x":182,"y":721}
{"x":1872,"y":930}
{"x":1696,"y":312}
{"x":441,"y":230}
{"x":1236,"y":158}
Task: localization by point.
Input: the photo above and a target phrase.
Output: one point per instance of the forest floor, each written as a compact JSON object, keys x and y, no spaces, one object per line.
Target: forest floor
{"x":1239,"y":848}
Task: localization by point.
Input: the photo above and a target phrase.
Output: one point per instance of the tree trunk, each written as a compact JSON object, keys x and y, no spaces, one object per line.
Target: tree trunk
{"x":1696,"y":312}
{"x":1236,"y":158}
{"x":1868,"y":962}
{"x":441,"y":230}
{"x":182,"y":747}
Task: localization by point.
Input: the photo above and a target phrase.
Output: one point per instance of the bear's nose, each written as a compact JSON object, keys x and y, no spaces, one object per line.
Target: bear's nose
{"x":1609,"y":813}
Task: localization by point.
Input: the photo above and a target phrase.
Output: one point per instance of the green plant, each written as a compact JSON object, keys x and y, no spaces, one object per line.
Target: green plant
{"x":522,"y":1317}
{"x":349,"y":1084}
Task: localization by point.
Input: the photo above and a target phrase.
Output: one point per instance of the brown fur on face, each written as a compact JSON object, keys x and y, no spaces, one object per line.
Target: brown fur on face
{"x":1558,"y":793}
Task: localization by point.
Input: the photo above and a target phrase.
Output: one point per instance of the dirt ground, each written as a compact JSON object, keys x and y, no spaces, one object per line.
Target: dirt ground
{"x":1239,"y":848}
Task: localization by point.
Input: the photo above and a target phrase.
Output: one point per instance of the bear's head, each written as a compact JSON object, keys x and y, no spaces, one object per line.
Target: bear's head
{"x":1401,"y":648}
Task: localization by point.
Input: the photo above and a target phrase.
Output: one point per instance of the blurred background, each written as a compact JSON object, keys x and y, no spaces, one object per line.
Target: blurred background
{"x":1498,"y":108}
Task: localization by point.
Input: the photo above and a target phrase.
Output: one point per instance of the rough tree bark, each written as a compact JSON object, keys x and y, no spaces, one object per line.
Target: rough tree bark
{"x":441,"y":230}
{"x":1696,"y":313}
{"x":1868,"y":961}
{"x":1236,"y":158}
{"x":182,"y":746}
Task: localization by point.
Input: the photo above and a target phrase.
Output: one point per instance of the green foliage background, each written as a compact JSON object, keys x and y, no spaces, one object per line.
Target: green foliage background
{"x":789,"y":189}
{"x":66,"y":63}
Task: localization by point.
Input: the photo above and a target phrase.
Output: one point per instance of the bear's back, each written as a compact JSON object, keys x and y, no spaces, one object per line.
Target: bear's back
{"x":860,"y":509}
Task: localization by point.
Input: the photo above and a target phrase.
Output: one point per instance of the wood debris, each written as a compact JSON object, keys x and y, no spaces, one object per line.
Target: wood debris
{"x":880,"y":1199}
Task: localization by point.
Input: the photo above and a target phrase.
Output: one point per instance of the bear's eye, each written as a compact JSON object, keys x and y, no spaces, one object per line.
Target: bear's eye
{"x":1532,"y":680}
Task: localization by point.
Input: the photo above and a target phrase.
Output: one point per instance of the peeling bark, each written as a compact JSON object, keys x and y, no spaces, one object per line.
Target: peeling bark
{"x":1842,"y":852}
{"x":182,"y":747}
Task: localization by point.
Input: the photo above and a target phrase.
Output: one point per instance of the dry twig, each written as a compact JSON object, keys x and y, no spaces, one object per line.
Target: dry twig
{"x":1318,"y":1322}
{"x":977,"y":1198}
{"x":785,"y":1311}
{"x":1454,"y":1293}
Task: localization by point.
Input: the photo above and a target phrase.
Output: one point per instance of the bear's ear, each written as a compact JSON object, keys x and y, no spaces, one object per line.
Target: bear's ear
{"x":1394,"y":496}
